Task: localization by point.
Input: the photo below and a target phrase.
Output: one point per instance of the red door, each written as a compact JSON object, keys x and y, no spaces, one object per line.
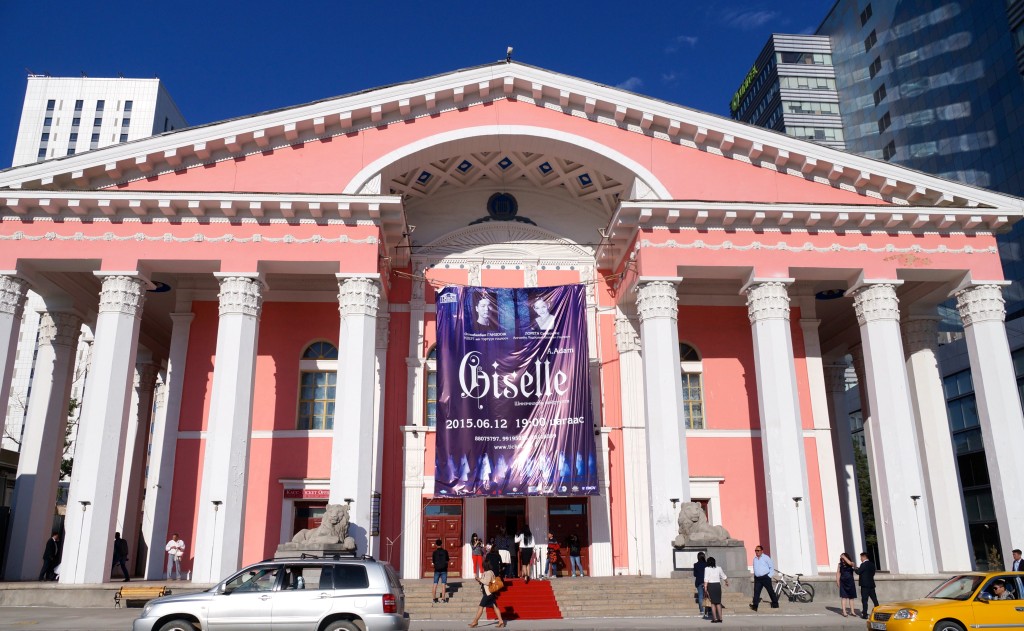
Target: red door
{"x":308,"y":515}
{"x":442,"y":519}
{"x":567,"y":516}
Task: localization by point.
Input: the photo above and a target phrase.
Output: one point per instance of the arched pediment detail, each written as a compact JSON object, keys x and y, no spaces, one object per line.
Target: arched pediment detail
{"x":502,"y":242}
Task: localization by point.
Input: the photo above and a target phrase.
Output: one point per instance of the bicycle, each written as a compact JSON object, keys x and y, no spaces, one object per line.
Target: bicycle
{"x":793,"y":588}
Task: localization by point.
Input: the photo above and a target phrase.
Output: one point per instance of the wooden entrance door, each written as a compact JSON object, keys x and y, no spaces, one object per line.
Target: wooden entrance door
{"x":507,"y":513}
{"x":442,"y":519}
{"x":566,"y":516}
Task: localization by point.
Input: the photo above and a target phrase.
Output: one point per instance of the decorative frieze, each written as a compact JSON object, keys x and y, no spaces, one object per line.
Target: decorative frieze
{"x":59,"y":329}
{"x":358,"y":296}
{"x":13,"y":292}
{"x":626,"y":338}
{"x":767,"y":301}
{"x":981,"y":303}
{"x":657,"y":299}
{"x":241,"y":295}
{"x":123,"y":294}
{"x":383,"y":329}
{"x":876,"y":302}
{"x":920,"y":334}
{"x":474,"y":275}
{"x":530,"y":275}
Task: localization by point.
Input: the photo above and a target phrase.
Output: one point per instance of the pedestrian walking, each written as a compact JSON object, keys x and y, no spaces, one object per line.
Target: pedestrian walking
{"x":554,"y":554}
{"x":1017,"y":565}
{"x":525,"y":542}
{"x":490,"y":595}
{"x":504,"y":543}
{"x":476,"y":548}
{"x":175,"y":549}
{"x":866,"y":572}
{"x":764,"y":570}
{"x":714,"y":576}
{"x":844,"y":580}
{"x":120,"y":556}
{"x":575,"y":561}
{"x":493,"y":557}
{"x":698,"y":584}
{"x":51,"y":557}
{"x":440,"y":559}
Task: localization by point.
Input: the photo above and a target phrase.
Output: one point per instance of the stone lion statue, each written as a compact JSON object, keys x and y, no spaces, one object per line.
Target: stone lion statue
{"x":695,"y":529}
{"x":333,"y":529}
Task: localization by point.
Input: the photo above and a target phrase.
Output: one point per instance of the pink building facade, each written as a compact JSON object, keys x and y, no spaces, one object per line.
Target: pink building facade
{"x":260,"y":292}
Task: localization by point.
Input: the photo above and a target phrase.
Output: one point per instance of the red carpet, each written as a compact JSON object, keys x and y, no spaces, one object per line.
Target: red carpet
{"x":519,"y":601}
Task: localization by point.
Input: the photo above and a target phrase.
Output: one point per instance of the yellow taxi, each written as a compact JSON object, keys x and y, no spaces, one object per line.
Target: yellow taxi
{"x":974,"y":600}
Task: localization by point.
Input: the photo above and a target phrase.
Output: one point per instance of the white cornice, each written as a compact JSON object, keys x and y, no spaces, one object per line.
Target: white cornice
{"x":197,"y":146}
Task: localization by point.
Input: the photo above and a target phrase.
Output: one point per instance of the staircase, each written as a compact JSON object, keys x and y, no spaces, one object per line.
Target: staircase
{"x":632,"y":597}
{"x":518,"y":601}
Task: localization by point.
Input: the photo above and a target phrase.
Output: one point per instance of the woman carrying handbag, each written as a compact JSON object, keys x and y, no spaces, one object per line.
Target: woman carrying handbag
{"x":490,"y":594}
{"x":714,"y":576}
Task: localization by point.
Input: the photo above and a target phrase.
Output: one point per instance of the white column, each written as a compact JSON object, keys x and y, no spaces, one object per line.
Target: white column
{"x":871,"y":438}
{"x":634,"y":445}
{"x":905,"y":512}
{"x":600,"y":516}
{"x":380,"y":366}
{"x":13,"y":292}
{"x":667,"y":469}
{"x":42,"y":445}
{"x":537,"y":516}
{"x":790,"y":530}
{"x":99,"y":448}
{"x":845,"y":463}
{"x":942,"y":481}
{"x":129,"y":506}
{"x":474,"y":514}
{"x":826,"y":456}
{"x":353,"y":452}
{"x":157,"y":520}
{"x":1002,"y":423}
{"x":221,"y":519}
{"x":412,"y":502}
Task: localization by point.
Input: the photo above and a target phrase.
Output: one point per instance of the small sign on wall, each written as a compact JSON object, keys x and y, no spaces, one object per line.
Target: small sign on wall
{"x":684,"y":558}
{"x":307,"y":494}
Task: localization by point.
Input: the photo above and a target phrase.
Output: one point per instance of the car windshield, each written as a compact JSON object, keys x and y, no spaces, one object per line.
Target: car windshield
{"x":957,"y":588}
{"x":255,"y":580}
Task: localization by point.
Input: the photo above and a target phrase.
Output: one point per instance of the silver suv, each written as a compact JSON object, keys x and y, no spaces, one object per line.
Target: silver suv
{"x":293,"y":594}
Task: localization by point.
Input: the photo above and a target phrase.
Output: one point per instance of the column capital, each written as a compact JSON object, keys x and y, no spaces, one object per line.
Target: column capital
{"x":658,"y":299}
{"x":13,"y":293}
{"x":920,"y":333}
{"x":626,"y":338}
{"x":358,"y":295}
{"x":59,"y":328}
{"x":876,"y":302}
{"x":383,"y":330}
{"x":767,"y":300}
{"x":240,"y":295}
{"x":835,"y":377}
{"x":123,"y":294}
{"x":145,"y":376}
{"x":981,"y":303}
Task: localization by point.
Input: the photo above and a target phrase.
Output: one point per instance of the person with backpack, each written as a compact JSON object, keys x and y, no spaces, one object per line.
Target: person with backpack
{"x":490,"y":585}
{"x":440,"y":559}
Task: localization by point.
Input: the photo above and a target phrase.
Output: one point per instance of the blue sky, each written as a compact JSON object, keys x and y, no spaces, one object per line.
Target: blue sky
{"x":220,"y":60}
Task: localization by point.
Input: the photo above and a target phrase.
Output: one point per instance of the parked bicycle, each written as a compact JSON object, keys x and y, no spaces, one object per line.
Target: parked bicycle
{"x":791,"y":586}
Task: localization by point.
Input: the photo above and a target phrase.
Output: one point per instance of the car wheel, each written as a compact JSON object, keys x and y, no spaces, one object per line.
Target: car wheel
{"x":807,"y":595}
{"x":948,"y":625}
{"x":341,"y":625}
{"x":179,"y":625}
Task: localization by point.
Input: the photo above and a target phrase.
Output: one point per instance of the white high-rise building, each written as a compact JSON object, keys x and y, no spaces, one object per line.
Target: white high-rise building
{"x":63,"y":116}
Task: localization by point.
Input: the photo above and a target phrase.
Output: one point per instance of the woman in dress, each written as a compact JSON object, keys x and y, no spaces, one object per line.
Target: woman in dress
{"x":490,"y":599}
{"x":476,"y":546}
{"x":525,"y":542}
{"x":847,"y":587}
{"x":714,"y":576}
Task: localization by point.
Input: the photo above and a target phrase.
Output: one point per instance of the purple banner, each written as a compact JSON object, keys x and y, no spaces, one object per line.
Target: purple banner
{"x":513,"y":393}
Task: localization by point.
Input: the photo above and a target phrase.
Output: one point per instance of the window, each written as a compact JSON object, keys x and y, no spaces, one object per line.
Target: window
{"x":125,"y":122}
{"x":871,"y":40}
{"x":50,"y":105}
{"x":876,"y":67}
{"x":889,"y":151}
{"x":880,"y":94}
{"x":430,"y":390}
{"x":100,"y":105}
{"x":47,"y":121}
{"x":884,"y":122}
{"x":73,"y":138}
{"x":810,"y":107}
{"x":318,"y":374}
{"x":71,"y":150}
{"x":807,"y":83}
{"x":865,"y":15}
{"x":820,"y":134}
{"x":123,"y":138}
{"x":78,"y":106}
{"x":45,"y":137}
{"x":42,"y":153}
{"x":76,"y":121}
{"x":1018,"y":37}
{"x":691,"y":367}
{"x":817,"y":59}
{"x":127,"y":106}
{"x":96,"y":122}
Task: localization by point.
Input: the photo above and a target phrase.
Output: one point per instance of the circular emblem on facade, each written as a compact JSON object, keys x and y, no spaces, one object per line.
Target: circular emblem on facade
{"x":502,"y":207}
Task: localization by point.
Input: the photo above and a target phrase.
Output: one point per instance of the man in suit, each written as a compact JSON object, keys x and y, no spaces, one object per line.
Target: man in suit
{"x":866,"y":572}
{"x":121,"y":555}
{"x":1017,"y":565}
{"x":51,"y":557}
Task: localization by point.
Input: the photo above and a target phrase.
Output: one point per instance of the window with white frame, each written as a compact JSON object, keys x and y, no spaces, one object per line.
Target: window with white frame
{"x":318,"y":374}
{"x":692,"y":368}
{"x":430,"y":389}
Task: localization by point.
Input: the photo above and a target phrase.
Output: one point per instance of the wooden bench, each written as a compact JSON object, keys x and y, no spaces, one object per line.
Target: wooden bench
{"x":140,"y":594}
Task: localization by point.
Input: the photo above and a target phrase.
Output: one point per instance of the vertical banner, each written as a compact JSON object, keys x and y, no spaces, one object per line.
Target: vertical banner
{"x":513,"y":393}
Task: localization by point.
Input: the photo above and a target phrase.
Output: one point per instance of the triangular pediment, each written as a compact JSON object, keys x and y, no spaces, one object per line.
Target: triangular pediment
{"x":198,"y":147}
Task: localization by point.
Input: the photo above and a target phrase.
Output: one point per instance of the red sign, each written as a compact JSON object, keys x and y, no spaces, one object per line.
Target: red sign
{"x":307,"y":494}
